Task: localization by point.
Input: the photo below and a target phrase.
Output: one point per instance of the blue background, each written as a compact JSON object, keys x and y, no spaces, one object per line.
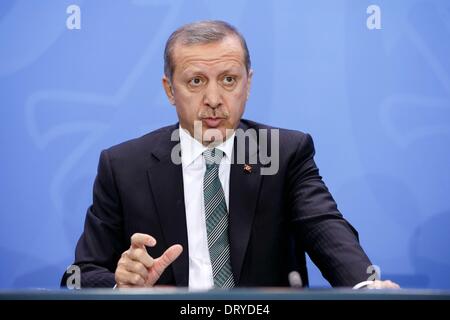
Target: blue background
{"x":377,"y":103}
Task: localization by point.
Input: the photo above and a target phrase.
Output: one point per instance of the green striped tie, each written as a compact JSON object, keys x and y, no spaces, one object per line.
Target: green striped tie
{"x":216,"y":214}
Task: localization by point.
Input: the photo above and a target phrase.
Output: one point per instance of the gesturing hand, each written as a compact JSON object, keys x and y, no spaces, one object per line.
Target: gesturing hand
{"x":136,"y":268}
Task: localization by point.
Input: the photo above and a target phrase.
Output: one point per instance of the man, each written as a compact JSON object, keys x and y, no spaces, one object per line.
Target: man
{"x":210,"y":220}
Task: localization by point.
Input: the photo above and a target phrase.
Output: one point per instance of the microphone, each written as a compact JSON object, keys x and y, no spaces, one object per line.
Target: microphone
{"x":295,"y":280}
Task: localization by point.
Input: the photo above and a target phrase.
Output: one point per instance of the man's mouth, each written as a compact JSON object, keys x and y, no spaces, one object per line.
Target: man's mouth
{"x":212,"y":122}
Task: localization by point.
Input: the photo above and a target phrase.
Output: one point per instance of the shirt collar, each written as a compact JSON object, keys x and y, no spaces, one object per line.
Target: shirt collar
{"x":191,"y":149}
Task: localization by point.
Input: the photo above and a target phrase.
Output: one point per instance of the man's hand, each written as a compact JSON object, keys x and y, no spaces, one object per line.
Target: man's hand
{"x":386,"y":284}
{"x":136,"y":268}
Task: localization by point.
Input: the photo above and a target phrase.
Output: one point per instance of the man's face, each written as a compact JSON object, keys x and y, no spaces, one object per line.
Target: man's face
{"x":210,"y":84}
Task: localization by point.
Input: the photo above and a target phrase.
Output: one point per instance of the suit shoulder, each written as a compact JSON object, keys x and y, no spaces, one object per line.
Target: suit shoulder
{"x":141,"y":145}
{"x":285,"y":135}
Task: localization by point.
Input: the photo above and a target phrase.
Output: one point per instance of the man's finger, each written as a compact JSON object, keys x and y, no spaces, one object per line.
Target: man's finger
{"x":138,"y":268}
{"x":138,"y":240}
{"x":141,"y":255}
{"x":160,"y":264}
{"x":168,"y":257}
{"x":124,"y":277}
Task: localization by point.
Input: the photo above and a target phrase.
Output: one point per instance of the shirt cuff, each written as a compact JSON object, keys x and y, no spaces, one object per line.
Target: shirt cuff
{"x":362,"y":284}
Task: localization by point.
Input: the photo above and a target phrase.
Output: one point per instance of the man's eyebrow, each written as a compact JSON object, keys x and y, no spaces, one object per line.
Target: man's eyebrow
{"x":195,"y":70}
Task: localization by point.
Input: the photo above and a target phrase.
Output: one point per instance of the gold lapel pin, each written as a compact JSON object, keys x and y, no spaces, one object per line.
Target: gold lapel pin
{"x":247,"y":168}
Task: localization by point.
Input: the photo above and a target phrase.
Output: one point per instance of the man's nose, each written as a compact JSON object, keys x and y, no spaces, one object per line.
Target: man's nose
{"x":213,"y":97}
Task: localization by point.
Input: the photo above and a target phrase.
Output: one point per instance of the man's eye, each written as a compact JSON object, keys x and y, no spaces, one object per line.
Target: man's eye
{"x":229,"y":80}
{"x":195,"y":82}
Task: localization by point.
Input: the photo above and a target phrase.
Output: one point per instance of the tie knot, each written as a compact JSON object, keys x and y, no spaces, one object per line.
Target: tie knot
{"x":212,"y":157}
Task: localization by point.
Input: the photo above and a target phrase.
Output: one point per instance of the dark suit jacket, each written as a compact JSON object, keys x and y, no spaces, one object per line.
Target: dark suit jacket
{"x":273,"y":219}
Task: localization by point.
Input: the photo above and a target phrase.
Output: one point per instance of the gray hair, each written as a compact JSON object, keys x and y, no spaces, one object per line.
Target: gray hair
{"x":201,"y":32}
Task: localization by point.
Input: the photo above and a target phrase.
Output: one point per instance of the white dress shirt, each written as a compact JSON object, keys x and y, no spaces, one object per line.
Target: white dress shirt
{"x":194,"y":167}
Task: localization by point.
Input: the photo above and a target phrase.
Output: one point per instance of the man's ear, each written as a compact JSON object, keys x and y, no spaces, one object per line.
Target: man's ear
{"x":168,"y":89}
{"x":249,"y":82}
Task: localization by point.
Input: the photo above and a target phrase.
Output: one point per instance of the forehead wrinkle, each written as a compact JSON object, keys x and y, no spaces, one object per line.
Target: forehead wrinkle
{"x":191,"y":56}
{"x":199,"y":64}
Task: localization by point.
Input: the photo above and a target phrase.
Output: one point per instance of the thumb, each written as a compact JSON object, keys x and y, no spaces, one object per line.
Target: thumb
{"x":160,"y":264}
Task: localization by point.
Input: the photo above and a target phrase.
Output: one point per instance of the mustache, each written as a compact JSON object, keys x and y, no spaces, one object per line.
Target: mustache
{"x":222,"y":114}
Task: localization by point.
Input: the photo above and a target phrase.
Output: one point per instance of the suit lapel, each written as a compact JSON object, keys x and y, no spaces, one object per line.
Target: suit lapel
{"x":166,"y":181}
{"x":243,"y":197}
